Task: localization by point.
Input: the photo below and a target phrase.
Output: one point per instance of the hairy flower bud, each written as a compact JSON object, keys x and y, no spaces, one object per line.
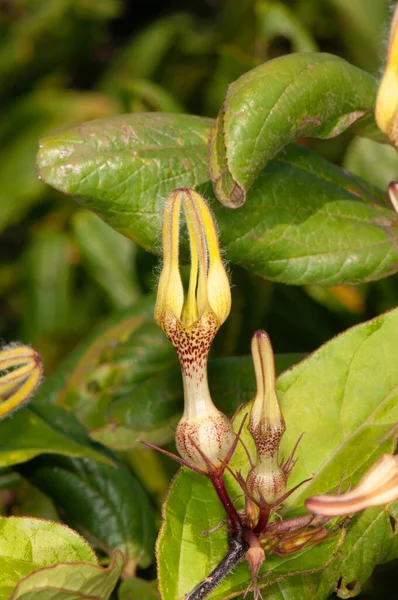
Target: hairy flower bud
{"x":266,"y":481}
{"x":192,"y":323}
{"x":377,"y":487}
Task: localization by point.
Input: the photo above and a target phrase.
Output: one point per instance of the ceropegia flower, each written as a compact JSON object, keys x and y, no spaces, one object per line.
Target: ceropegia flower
{"x":387,"y":97}
{"x":266,"y":481}
{"x":191,"y":321}
{"x":20,"y":373}
{"x":377,"y":487}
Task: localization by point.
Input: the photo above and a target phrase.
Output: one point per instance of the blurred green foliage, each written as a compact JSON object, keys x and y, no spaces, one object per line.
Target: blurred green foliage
{"x":62,"y":270}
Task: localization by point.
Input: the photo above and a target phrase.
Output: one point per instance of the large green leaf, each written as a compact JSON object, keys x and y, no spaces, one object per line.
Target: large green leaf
{"x":70,"y":582}
{"x":122,"y":168}
{"x":345,"y":399}
{"x":104,"y":502}
{"x":308,"y":94}
{"x":26,"y":435}
{"x":29,"y":544}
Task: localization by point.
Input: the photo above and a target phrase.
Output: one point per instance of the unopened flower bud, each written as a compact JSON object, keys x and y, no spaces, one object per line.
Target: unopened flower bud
{"x":192,"y":323}
{"x":21,"y":369}
{"x":266,"y":481}
{"x":377,"y":487}
{"x":387,"y":98}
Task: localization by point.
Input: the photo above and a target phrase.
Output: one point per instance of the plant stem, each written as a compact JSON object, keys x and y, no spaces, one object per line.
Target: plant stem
{"x":236,"y":552}
{"x":233,"y":516}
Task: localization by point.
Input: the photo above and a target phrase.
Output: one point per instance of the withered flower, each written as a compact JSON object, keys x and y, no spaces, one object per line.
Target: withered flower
{"x":377,"y":487}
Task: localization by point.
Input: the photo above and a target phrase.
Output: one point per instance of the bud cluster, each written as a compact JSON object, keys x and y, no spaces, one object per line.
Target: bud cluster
{"x":204,"y":436}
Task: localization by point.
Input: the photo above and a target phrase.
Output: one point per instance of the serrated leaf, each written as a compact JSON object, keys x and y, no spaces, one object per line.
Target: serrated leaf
{"x":29,"y":544}
{"x":26,"y":435}
{"x":106,"y":502}
{"x":70,"y":582}
{"x":344,"y":398}
{"x":124,"y":167}
{"x":308,"y":94}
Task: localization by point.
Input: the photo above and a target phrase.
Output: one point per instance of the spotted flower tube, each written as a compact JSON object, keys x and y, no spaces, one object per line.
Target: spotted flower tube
{"x":191,"y":322}
{"x":20,"y":374}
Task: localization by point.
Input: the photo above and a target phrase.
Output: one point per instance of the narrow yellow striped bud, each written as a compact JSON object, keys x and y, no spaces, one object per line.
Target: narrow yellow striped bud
{"x":20,"y":373}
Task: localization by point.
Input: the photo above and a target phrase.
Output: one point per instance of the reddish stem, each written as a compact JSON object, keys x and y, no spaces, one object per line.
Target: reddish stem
{"x":233,"y":516}
{"x":262,"y":519}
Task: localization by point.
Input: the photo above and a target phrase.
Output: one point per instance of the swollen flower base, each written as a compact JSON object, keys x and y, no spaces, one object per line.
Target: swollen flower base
{"x":205,"y":438}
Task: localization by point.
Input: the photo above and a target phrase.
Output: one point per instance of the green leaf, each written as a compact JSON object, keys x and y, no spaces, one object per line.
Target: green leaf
{"x":127,"y":148}
{"x":131,"y":589}
{"x":308,"y":94}
{"x":70,"y":582}
{"x":114,"y":362}
{"x":123,"y":168}
{"x":48,"y":269}
{"x":374,"y":162}
{"x":35,"y":115}
{"x":371,"y":540}
{"x":108,"y":257}
{"x":105,"y":502}
{"x":26,"y":435}
{"x":344,"y":399}
{"x":29,"y":544}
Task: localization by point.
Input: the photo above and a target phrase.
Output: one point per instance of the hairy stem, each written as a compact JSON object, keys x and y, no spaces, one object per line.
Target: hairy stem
{"x":236,"y":552}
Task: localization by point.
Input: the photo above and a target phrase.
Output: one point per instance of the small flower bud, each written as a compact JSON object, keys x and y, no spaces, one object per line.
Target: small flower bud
{"x":191,"y":323}
{"x":377,"y":487}
{"x":266,"y":481}
{"x":22,"y":370}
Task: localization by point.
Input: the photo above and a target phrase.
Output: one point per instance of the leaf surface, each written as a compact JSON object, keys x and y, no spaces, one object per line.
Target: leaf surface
{"x":308,"y":221}
{"x":28,"y":544}
{"x":104,"y":501}
{"x":26,"y":435}
{"x":70,"y":582}
{"x":308,"y":94}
